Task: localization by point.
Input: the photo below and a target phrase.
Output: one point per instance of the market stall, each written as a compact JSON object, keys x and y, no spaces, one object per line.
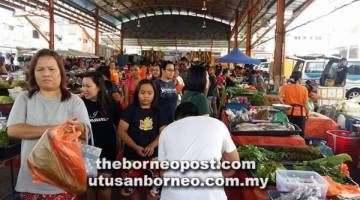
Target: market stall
{"x":9,"y":148}
{"x":263,"y":134}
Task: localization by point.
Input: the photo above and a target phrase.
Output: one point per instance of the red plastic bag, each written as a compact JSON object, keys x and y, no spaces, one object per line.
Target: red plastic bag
{"x":57,"y":160}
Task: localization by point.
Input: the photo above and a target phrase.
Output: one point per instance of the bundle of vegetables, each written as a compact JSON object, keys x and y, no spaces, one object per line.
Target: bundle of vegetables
{"x":256,"y":98}
{"x":6,"y":100}
{"x":269,"y":159}
{"x":18,"y":83}
{"x":266,"y":167}
{"x":297,"y":153}
{"x":4,"y":138}
{"x":329,"y":166}
{"x":4,"y":84}
{"x":239,"y":91}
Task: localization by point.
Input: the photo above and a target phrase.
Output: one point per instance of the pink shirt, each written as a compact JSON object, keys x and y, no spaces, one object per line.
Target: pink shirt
{"x":131,"y":86}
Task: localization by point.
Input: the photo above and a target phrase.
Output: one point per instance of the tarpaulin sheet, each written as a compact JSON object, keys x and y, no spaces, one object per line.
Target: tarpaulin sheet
{"x":317,"y":125}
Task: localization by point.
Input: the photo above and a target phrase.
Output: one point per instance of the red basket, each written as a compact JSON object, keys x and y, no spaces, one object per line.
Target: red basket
{"x":345,"y":142}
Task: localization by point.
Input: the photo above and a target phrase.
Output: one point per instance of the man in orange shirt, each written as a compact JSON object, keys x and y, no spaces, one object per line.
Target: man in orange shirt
{"x":296,"y":96}
{"x":114,"y":74}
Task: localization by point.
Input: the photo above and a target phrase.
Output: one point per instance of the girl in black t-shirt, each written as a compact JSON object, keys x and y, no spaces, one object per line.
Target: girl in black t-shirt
{"x":104,"y":116}
{"x":140,"y":125}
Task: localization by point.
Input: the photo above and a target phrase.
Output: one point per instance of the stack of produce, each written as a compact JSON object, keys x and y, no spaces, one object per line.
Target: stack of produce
{"x":6,"y":100}
{"x":307,"y":158}
{"x":255,"y":98}
{"x":4,"y":138}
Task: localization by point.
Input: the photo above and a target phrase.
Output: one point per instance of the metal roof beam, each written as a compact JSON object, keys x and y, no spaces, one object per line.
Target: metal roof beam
{"x":236,"y":10}
{"x":137,"y":4}
{"x":257,"y":9}
{"x":36,"y":27}
{"x":268,"y":8}
{"x":13,"y":5}
{"x":125,"y":6}
{"x":110,"y":13}
{"x":298,"y":11}
{"x":91,"y":14}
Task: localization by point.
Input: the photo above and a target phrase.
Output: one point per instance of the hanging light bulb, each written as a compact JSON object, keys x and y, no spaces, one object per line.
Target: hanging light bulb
{"x":138,"y":24}
{"x":203,"y":24}
{"x":204,"y":6}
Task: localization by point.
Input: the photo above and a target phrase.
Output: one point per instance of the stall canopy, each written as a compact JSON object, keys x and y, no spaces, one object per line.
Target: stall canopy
{"x":236,"y":56}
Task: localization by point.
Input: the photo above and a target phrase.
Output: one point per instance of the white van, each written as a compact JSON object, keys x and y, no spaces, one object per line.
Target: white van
{"x":310,"y":66}
{"x":352,"y":84}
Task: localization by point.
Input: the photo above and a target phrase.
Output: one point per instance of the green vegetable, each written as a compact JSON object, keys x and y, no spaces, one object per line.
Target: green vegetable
{"x":251,"y":153}
{"x":4,"y":139}
{"x":278,"y":153}
{"x":6,"y":100}
{"x":4,"y":84}
{"x":298,"y":153}
{"x":333,"y":160}
{"x":258,"y":99}
{"x":329,"y":166}
{"x":267,"y":170}
{"x":239,"y":91}
{"x":18,"y":83}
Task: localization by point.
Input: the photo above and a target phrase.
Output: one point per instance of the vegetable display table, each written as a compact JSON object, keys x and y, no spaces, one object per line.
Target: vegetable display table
{"x":255,"y":193}
{"x":246,"y":193}
{"x":8,"y":154}
{"x":293,"y":140}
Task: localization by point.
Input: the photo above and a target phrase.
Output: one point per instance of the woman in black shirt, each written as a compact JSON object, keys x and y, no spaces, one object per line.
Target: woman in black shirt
{"x":104,"y":114}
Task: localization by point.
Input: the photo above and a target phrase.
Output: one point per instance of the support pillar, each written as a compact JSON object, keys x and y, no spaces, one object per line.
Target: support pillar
{"x":249,"y":28}
{"x":97,"y":46}
{"x":279,"y":44}
{"x":229,"y":46}
{"x":51,"y":25}
{"x":122,"y":41}
{"x":236,"y":33}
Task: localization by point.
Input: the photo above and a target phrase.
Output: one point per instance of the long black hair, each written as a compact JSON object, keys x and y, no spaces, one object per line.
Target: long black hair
{"x":137,"y":91}
{"x":103,"y":98}
{"x":295,"y":77}
{"x":196,"y":80}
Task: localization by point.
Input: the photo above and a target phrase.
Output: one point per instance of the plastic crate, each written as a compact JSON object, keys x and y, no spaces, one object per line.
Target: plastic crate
{"x":345,"y":142}
{"x":283,"y":184}
{"x":330,"y":95}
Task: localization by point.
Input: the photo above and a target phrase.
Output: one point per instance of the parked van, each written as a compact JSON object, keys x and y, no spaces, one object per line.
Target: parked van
{"x":352,"y":84}
{"x":310,"y":66}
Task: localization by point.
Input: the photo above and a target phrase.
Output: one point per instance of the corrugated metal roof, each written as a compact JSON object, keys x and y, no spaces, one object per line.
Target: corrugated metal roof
{"x":115,"y":14}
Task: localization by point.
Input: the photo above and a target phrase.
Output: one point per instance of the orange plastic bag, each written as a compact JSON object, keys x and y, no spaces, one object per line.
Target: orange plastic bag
{"x":336,"y":189}
{"x":57,"y":160}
